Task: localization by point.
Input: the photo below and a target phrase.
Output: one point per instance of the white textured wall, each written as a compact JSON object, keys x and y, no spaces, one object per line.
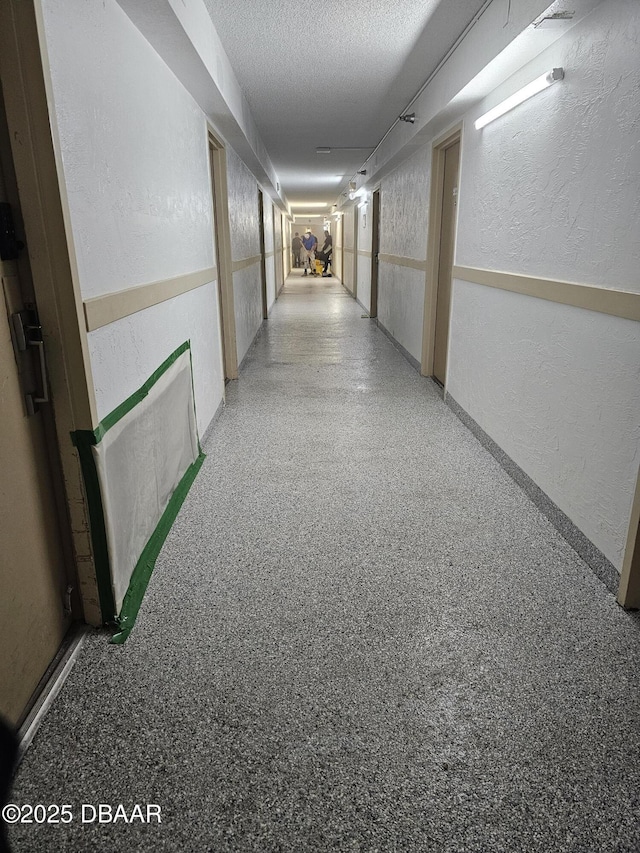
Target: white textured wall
{"x":404,"y":208}
{"x":553,"y":189}
{"x":125,"y":353}
{"x":404,"y":215}
{"x":245,"y":243}
{"x":558,"y":388}
{"x":134,"y":151}
{"x":243,"y":208}
{"x":401,"y":305}
{"x":135,"y":158}
{"x":248,"y":307}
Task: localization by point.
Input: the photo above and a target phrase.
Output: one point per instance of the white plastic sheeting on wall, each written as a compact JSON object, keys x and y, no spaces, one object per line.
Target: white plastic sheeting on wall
{"x":140,"y":461}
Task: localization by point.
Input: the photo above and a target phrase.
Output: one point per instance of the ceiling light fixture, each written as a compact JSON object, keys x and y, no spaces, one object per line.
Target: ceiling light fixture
{"x":323,"y":151}
{"x":537,"y":85}
{"x":410,"y":117}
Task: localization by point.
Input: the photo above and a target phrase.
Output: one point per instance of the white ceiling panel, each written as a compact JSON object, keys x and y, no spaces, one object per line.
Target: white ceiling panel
{"x":335,"y":74}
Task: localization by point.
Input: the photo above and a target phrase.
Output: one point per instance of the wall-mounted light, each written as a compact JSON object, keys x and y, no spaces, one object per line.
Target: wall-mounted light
{"x":361,"y":193}
{"x":537,"y":85}
{"x":410,"y":117}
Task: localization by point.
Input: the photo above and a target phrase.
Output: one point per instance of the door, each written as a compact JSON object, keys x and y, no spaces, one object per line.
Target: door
{"x":278,"y":250}
{"x":34,"y":607}
{"x":375,"y":248}
{"x":629,"y":589}
{"x":445,"y":262}
{"x":263,"y":269}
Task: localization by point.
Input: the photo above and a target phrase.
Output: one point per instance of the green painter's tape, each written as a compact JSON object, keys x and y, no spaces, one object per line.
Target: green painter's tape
{"x":96,"y":436}
{"x":146,"y":563}
{"x":84,"y":440}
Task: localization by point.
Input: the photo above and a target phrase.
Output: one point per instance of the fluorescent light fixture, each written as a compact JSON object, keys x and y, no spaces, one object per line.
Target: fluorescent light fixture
{"x":323,"y":151}
{"x":537,"y":85}
{"x":309,"y":204}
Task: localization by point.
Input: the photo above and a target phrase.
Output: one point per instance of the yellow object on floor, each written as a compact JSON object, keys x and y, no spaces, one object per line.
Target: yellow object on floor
{"x":319,"y":266}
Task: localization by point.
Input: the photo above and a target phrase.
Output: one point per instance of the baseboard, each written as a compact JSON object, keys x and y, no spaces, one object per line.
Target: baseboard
{"x":49,"y":687}
{"x":212,"y":423}
{"x":412,"y":361}
{"x":602,"y":568}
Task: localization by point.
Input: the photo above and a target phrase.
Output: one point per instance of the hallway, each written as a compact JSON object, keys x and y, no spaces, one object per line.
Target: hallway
{"x":449,"y":676}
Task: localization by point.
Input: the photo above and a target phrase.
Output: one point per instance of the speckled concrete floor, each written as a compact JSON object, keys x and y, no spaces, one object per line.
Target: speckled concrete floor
{"x":360,"y":636}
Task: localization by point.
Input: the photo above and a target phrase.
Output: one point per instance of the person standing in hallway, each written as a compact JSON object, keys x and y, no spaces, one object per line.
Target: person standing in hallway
{"x":327,"y":249}
{"x":309,"y":242}
{"x":296,"y":248}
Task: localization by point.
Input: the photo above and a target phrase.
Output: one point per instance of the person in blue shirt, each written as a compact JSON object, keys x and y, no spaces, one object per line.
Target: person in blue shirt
{"x":309,"y":243}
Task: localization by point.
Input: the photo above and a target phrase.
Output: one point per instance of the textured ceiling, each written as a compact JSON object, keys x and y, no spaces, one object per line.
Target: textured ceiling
{"x":335,"y":74}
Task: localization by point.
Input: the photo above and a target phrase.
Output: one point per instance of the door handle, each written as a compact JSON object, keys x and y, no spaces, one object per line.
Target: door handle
{"x":44,"y":396}
{"x":27,"y":332}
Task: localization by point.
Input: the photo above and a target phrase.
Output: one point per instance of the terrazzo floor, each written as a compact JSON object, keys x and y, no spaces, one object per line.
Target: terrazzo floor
{"x":360,"y":635}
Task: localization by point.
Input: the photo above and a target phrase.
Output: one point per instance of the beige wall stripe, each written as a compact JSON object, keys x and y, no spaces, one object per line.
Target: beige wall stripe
{"x":364,"y":253}
{"x":247,"y":262}
{"x":102,"y":310}
{"x":403,"y":262}
{"x":619,"y":303}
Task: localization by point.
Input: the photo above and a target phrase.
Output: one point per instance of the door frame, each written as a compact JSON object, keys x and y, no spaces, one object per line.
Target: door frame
{"x":24,"y":71}
{"x":629,"y":588}
{"x":279,"y":248}
{"x":224,"y":271}
{"x":439,"y":146}
{"x":263,"y":262}
{"x":375,"y":251}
